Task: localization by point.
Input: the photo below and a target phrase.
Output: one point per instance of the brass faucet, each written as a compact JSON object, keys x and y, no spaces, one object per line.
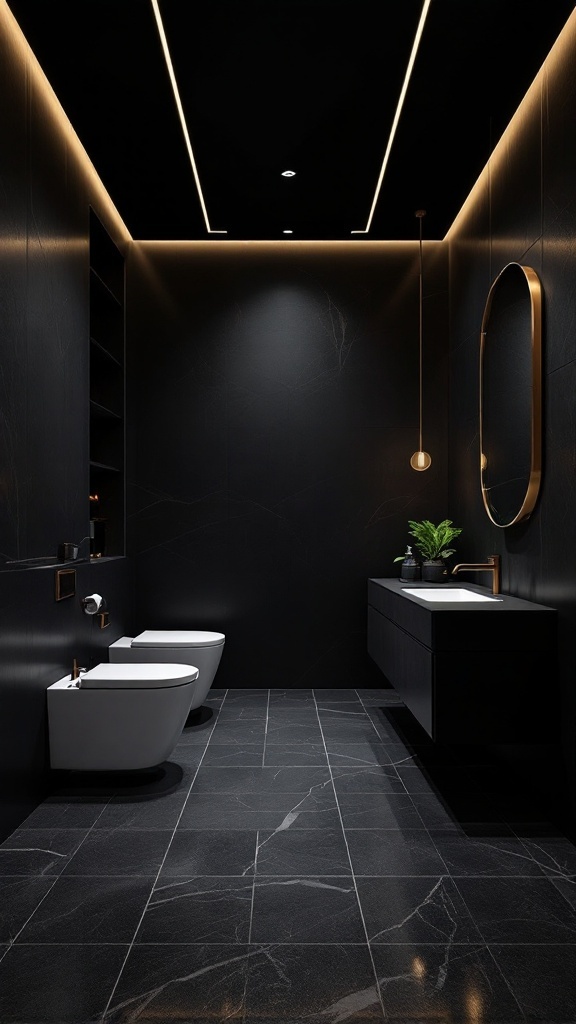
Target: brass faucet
{"x":492,"y":565}
{"x":76,"y":670}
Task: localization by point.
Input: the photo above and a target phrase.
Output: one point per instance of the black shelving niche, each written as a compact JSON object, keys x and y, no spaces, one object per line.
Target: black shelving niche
{"x":107,"y":394}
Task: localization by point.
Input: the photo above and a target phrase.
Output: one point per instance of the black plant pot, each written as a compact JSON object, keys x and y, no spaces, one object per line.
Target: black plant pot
{"x":434,"y":571}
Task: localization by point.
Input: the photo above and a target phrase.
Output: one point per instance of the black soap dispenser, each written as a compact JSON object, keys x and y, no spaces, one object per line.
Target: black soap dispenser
{"x":410,"y":568}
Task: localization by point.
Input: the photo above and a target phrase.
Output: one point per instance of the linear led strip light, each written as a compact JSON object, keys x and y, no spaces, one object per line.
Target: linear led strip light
{"x":399,"y":106}
{"x":180,"y":109}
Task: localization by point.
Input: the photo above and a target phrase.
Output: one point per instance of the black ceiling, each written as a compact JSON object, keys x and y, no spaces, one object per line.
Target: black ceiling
{"x":305,"y":85}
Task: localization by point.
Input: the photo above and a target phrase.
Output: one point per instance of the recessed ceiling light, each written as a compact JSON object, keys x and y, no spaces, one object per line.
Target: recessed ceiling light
{"x":288,"y":174}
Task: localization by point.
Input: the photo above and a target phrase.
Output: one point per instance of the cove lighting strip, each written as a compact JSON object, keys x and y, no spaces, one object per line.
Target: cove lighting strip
{"x":180,"y":109}
{"x":415,"y":45}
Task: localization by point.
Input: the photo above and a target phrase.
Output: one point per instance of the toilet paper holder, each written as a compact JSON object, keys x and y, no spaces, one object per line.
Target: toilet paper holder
{"x":95,"y":604}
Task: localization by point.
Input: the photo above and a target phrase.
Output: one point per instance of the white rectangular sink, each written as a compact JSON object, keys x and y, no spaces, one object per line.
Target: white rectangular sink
{"x":447,"y":594}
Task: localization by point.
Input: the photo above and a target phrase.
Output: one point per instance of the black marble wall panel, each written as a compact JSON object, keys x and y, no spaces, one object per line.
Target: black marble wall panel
{"x":273,"y":409}
{"x":46,"y":186}
{"x":525,"y":210}
{"x":39,"y":638}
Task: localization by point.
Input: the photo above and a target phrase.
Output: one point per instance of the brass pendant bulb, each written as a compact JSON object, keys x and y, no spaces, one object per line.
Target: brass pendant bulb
{"x":420,"y":460}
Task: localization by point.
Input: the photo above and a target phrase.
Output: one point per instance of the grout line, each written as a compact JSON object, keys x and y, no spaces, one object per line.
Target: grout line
{"x":115,"y":986}
{"x":56,"y":877}
{"x":378,"y":993}
{"x":253,"y":885}
{"x":266,"y":728}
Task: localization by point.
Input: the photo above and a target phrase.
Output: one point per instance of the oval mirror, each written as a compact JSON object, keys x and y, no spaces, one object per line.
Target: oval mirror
{"x":511,"y":395}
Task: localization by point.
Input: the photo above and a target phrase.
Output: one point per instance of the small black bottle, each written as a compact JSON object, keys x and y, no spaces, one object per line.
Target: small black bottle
{"x":410,"y":568}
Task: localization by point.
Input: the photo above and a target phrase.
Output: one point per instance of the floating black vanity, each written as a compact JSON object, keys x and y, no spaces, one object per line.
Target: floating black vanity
{"x":482,"y":671}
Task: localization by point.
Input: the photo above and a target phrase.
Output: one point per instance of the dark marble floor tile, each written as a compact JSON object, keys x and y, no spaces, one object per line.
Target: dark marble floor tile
{"x":453,"y":811}
{"x":188,"y":755}
{"x":521,"y":811}
{"x":217,"y":852}
{"x":443,"y":982}
{"x":518,"y":910}
{"x":541,"y":979}
{"x":292,"y":718}
{"x":281,"y":779}
{"x":378,"y":810}
{"x":567,"y":887}
{"x":238,"y":734}
{"x":222,"y":755}
{"x":388,"y":852}
{"x":360,"y":754}
{"x":379,"y":698}
{"x":246,"y":697}
{"x":348,"y":732}
{"x":268,"y":811}
{"x":188,"y":984}
{"x":298,"y":852}
{"x":93,"y":909}
{"x":321,"y":909}
{"x":42,"y":851}
{"x":294,"y":734}
{"x":296,"y":755}
{"x":296,"y":983}
{"x":377,"y":779}
{"x":420,"y":755}
{"x":156,"y":813}
{"x":198,"y":910}
{"x":335,"y":696}
{"x":384,"y":720}
{"x":415,"y":910}
{"x":19,"y":898}
{"x":55,"y":813}
{"x":290,"y":698}
{"x":555,"y":856}
{"x":215,"y":695}
{"x":121,"y":852}
{"x":330,"y":712}
{"x":255,"y":713}
{"x":478,"y":855}
{"x":442,"y":780}
{"x":198,"y":735}
{"x":61,"y":984}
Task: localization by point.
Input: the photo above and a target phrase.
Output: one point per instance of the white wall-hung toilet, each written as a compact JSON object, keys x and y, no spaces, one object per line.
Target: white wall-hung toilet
{"x":119,"y":717}
{"x":197,"y":647}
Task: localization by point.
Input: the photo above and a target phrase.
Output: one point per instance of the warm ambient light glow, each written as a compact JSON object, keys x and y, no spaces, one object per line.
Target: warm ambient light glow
{"x":47,"y":108}
{"x":399,"y":106}
{"x":288,"y":174}
{"x":180,"y":109}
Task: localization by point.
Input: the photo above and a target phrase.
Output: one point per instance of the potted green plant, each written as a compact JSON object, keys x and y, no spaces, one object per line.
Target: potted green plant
{"x":433,"y":543}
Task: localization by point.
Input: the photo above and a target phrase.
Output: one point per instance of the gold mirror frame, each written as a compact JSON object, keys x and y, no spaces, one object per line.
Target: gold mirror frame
{"x":535,"y":295}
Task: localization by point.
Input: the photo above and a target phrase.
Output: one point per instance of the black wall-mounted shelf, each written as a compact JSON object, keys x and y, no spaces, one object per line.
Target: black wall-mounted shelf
{"x":107,"y":393}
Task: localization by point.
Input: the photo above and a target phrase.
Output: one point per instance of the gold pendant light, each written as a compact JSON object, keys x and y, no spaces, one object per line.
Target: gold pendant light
{"x":420,"y":459}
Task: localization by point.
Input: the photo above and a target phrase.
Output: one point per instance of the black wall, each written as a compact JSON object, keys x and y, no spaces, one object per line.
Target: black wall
{"x":273,"y":409}
{"x":47,"y":186}
{"x":524,"y":210}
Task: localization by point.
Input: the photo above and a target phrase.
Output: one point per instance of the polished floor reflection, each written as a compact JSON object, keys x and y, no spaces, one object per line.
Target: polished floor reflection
{"x":305,"y":856}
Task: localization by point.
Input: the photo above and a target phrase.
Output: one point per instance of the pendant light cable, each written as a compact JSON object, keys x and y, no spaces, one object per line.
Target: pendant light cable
{"x":420,"y":459}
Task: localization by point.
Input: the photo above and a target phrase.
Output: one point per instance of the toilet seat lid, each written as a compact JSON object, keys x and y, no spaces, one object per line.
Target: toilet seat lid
{"x":177,"y":638}
{"x":137,"y":677}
